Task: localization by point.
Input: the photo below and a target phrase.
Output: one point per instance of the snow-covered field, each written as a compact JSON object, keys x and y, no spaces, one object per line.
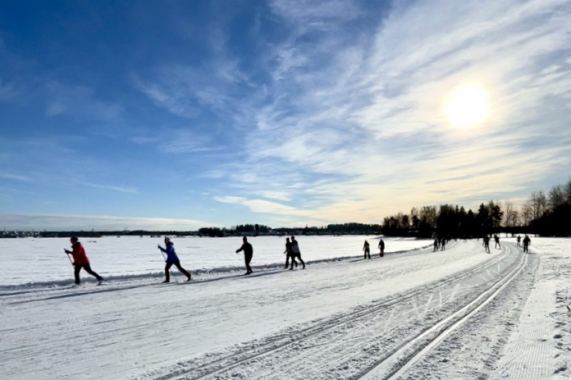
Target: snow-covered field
{"x":44,"y":261}
{"x":456,"y":314}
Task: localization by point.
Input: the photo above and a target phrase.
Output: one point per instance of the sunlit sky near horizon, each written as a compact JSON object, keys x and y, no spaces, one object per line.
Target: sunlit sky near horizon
{"x":183,"y":114}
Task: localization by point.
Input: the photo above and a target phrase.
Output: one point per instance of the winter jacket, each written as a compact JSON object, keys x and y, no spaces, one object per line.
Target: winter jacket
{"x":171,"y":254}
{"x":78,"y":253}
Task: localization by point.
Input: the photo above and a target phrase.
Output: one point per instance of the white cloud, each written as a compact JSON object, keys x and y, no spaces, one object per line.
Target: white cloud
{"x":366,"y":129}
{"x":78,"y":101}
{"x":87,"y":223}
{"x":119,"y":189}
{"x":16,"y":177}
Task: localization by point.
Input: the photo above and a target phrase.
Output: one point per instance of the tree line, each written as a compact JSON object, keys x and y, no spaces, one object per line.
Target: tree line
{"x":547,"y":214}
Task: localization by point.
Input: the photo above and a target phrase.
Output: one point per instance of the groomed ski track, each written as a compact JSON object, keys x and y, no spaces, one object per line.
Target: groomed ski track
{"x":352,"y":319}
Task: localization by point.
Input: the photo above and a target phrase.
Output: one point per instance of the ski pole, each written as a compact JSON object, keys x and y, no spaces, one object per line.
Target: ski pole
{"x":69,"y":258}
{"x":172,"y":274}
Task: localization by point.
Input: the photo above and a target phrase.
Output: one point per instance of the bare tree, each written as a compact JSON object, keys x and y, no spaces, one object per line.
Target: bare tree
{"x":556,"y":197}
{"x":511,"y":215}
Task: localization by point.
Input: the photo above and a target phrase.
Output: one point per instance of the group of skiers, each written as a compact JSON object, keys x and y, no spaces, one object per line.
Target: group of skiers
{"x":292,"y":252}
{"x":440,"y":244}
{"x":367,"y":249}
{"x":80,"y":260}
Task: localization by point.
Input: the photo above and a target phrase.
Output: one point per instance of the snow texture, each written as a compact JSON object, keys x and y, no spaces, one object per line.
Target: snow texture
{"x":454,"y":314}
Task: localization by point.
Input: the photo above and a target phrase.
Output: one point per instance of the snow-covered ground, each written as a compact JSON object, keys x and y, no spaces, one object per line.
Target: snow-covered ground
{"x":456,"y":314}
{"x":43,"y":260}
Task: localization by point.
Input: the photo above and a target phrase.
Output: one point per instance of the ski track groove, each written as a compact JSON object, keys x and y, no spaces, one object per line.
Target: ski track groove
{"x":221,"y":365}
{"x":443,"y":329}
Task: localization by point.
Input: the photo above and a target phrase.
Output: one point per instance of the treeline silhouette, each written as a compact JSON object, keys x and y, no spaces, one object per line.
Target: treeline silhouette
{"x":546,"y":214}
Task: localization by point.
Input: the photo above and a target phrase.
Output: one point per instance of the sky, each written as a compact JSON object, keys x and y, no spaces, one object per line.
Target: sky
{"x":184,"y":114}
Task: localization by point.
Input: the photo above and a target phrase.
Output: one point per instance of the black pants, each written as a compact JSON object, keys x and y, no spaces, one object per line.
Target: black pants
{"x":87,"y":267}
{"x":247,"y":260}
{"x":296,"y":256}
{"x":176,"y":263}
{"x":292,"y":257}
{"x":367,"y":253}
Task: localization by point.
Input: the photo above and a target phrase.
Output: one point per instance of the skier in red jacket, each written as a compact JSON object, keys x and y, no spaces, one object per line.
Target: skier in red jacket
{"x":80,"y":260}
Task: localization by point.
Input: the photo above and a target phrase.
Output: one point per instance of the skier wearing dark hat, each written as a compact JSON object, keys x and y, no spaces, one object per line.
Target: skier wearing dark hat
{"x":80,"y":260}
{"x":172,"y":259}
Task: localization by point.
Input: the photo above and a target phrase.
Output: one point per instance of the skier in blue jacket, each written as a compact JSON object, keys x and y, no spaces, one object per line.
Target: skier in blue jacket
{"x":172,"y":259}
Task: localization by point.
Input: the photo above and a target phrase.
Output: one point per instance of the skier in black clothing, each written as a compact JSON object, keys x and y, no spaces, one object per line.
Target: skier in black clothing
{"x":289,"y":254}
{"x":487,"y":243}
{"x":367,"y":250}
{"x":518,"y":241}
{"x":526,"y":243}
{"x":296,"y":253}
{"x":497,"y":240}
{"x":382,"y":248}
{"x":435,"y":244}
{"x":248,"y":253}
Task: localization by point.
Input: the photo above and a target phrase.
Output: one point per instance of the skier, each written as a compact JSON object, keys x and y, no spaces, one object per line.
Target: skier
{"x":80,"y":260}
{"x":248,"y":254}
{"x":435,"y":245}
{"x":296,"y":253}
{"x":518,"y":241}
{"x":367,"y":250}
{"x":289,"y":254}
{"x":526,"y":243}
{"x":382,"y":248}
{"x":172,"y":259}
{"x":497,"y":240}
{"x":487,"y":243}
{"x":443,"y":244}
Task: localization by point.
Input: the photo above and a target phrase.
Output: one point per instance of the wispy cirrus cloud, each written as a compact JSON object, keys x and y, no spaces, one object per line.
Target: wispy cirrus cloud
{"x":77,"y":100}
{"x":15,"y":177}
{"x":99,"y":222}
{"x":119,"y":189}
{"x":368,"y":125}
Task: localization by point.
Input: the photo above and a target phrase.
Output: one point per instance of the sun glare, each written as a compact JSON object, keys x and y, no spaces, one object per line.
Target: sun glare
{"x":467,"y":107}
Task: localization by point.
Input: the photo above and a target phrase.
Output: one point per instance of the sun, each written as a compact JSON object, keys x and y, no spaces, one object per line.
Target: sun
{"x":467,"y":106}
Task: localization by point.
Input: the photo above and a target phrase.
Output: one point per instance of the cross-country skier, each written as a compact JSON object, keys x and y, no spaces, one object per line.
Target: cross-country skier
{"x":248,"y":254}
{"x":367,"y":250}
{"x":289,"y":254}
{"x":296,"y":253}
{"x":497,"y":240}
{"x":487,"y":243}
{"x":172,"y":259}
{"x":382,"y":248}
{"x":435,"y":244}
{"x":518,"y":241}
{"x":80,"y":260}
{"x":526,"y":243}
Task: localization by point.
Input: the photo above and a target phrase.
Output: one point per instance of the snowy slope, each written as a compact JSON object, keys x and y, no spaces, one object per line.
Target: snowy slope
{"x":450,"y":314}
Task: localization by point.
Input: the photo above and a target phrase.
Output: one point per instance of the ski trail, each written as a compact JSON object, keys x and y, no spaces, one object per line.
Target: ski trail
{"x":222,"y":365}
{"x":402,"y":360}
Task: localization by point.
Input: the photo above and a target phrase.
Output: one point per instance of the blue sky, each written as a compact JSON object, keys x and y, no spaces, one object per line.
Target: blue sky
{"x":174,"y":114}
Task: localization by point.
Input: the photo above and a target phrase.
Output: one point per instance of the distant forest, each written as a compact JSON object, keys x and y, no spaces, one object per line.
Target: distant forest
{"x":546,"y":214}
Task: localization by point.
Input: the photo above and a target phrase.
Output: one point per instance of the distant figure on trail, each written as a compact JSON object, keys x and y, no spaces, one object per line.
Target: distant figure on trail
{"x":526,"y":243}
{"x":487,"y":243}
{"x":289,"y":254}
{"x":172,"y":259}
{"x":248,"y":254}
{"x":443,"y":244}
{"x":435,"y":245}
{"x":296,"y":253}
{"x":382,"y":248}
{"x":497,"y":240}
{"x":367,"y":250}
{"x":518,"y":240}
{"x":80,"y":260}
